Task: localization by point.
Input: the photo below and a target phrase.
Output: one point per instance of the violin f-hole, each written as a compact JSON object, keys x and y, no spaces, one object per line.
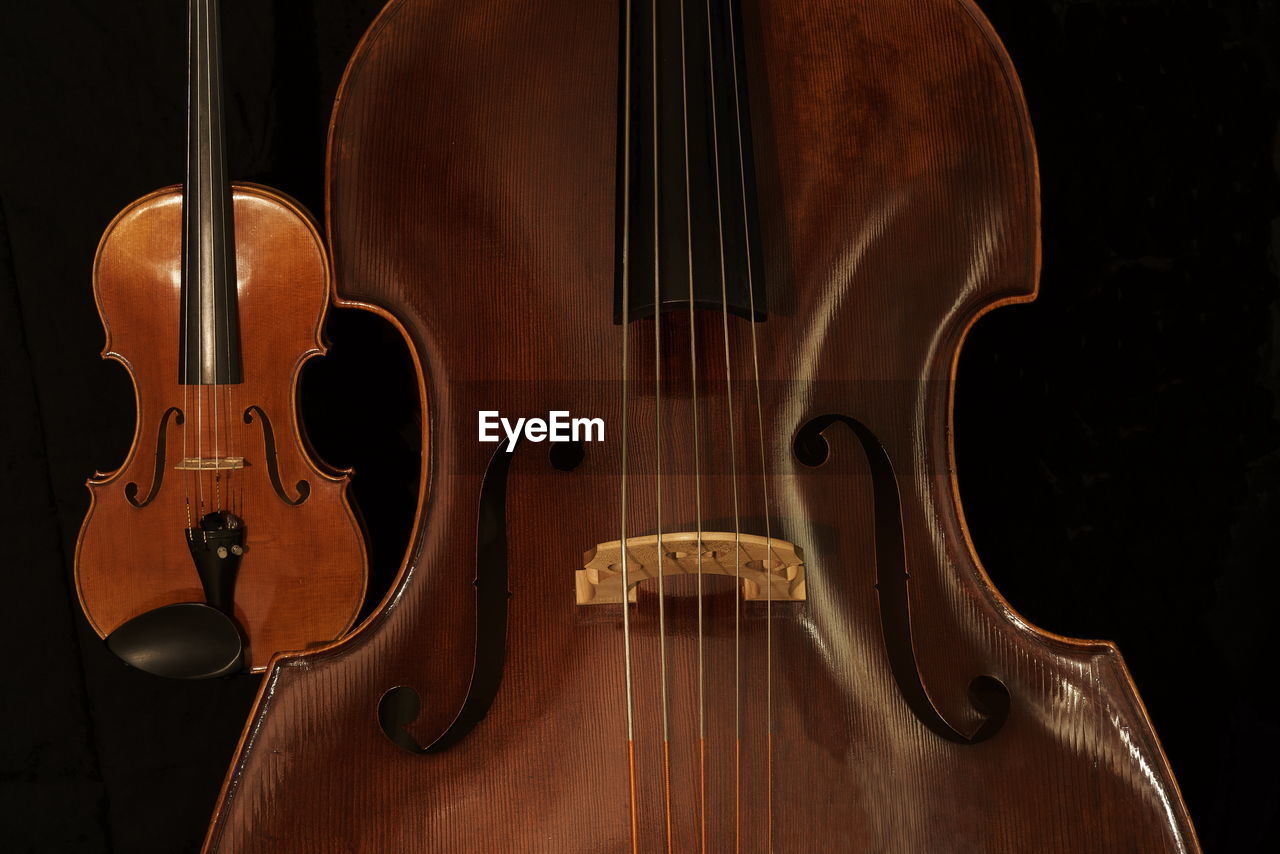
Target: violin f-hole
{"x":273,"y":466}
{"x":988,"y":695}
{"x":399,"y":706}
{"x":157,"y":476}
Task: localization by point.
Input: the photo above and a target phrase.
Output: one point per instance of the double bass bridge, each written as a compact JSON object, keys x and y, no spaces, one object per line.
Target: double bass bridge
{"x":769,"y":569}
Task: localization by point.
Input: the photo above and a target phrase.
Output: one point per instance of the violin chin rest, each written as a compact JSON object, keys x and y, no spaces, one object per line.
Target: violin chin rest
{"x":184,"y":641}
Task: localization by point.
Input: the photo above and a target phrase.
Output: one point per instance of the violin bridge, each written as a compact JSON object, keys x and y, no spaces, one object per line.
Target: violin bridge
{"x":769,"y":569}
{"x":210,"y":464}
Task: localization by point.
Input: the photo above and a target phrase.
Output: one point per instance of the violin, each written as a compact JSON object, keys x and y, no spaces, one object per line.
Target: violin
{"x":220,"y":540}
{"x":748,"y":236}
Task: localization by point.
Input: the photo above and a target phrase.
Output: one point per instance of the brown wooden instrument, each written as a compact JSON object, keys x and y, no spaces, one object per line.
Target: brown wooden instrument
{"x":752,"y":244}
{"x":212,"y":299}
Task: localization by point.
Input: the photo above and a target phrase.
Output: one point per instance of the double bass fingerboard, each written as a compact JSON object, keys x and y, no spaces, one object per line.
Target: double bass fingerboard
{"x":686,"y":173}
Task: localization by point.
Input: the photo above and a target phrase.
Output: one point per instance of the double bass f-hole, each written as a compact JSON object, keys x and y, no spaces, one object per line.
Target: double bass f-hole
{"x":398,"y":707}
{"x":796,"y":200}
{"x":988,"y":695}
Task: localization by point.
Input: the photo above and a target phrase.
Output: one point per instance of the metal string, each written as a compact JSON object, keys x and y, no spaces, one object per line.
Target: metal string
{"x":186,"y":275}
{"x":764,"y":470}
{"x":199,"y":390}
{"x":697,"y":466}
{"x":230,"y":281}
{"x":206,"y":242}
{"x":657,"y":441}
{"x":622,"y":521}
{"x":733,"y":462}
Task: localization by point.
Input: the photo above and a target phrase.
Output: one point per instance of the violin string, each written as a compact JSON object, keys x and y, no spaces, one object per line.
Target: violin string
{"x":230,"y":281}
{"x":210,"y":205}
{"x":733,"y":462}
{"x":198,"y":254}
{"x":185,"y":296}
{"x":657,"y":438}
{"x":206,"y":277}
{"x":622,"y":502}
{"x":697,"y":466}
{"x":764,"y":469}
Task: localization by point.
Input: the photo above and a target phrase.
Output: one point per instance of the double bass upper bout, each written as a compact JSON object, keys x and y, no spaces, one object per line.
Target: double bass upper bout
{"x":477,"y":155}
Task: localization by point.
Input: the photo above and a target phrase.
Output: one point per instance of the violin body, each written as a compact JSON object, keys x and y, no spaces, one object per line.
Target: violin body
{"x":301,"y":580}
{"x":899,"y":704}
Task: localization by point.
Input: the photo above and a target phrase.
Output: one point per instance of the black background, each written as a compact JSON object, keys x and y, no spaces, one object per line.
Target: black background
{"x":1118,"y":443}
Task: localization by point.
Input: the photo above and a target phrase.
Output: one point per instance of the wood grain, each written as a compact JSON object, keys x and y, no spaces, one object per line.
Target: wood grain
{"x":302,"y":580}
{"x":471,"y":198}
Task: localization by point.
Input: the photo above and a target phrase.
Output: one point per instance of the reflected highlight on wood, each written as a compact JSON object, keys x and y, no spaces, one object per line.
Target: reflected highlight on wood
{"x":474,"y":198}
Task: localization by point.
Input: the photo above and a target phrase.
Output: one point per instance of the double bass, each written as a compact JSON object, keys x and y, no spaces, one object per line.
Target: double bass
{"x":748,"y":236}
{"x":220,"y":540}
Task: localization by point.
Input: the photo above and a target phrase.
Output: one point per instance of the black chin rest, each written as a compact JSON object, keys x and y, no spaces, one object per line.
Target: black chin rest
{"x":184,"y":641}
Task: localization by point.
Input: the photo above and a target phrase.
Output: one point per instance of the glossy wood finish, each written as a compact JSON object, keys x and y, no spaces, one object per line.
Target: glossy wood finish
{"x":471,"y":199}
{"x":302,"y":579}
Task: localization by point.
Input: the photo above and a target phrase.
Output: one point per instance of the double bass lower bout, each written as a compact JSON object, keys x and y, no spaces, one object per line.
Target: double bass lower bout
{"x":987,"y":694}
{"x":708,"y":224}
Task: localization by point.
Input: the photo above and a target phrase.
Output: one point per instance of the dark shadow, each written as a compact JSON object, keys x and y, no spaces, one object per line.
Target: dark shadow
{"x":360,"y":410}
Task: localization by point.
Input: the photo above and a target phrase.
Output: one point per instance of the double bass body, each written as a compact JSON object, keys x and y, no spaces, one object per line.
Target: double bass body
{"x":477,"y":157}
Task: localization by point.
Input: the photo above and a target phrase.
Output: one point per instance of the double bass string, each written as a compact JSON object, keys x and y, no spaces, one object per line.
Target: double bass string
{"x":764,"y":467}
{"x":657,"y":444}
{"x":697,"y":463}
{"x":622,"y":501}
{"x":733,"y":461}
{"x":658,"y":450}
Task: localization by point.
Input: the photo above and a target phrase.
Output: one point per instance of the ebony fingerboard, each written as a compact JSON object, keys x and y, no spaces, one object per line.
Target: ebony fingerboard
{"x":686,"y":177}
{"x":210,"y":336}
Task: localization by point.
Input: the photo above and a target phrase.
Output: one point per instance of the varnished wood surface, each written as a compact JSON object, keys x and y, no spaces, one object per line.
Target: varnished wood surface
{"x":302,"y":578}
{"x":472,"y":198}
